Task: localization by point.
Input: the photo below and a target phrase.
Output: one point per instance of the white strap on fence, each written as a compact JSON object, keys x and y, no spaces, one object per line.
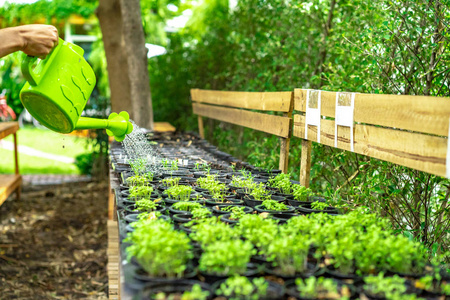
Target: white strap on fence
{"x":344,"y":117}
{"x":312,"y":114}
{"x":448,"y":153}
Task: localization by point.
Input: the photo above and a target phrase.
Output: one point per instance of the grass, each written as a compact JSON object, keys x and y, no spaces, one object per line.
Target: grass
{"x":46,"y":141}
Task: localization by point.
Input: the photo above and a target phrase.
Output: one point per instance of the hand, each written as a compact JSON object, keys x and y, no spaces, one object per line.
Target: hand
{"x":38,"y":40}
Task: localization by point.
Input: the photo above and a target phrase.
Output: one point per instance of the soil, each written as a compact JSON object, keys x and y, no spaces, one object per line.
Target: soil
{"x":53,"y":243}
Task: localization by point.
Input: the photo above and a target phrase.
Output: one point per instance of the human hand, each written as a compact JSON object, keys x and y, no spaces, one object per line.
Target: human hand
{"x":37,"y":39}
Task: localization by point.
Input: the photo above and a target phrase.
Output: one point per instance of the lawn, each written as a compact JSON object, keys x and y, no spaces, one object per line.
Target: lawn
{"x":46,"y":141}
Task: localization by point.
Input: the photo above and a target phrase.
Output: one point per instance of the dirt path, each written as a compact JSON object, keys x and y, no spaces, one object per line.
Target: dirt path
{"x":53,"y":243}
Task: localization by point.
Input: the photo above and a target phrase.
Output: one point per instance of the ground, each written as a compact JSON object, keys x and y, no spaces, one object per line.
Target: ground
{"x":53,"y":243}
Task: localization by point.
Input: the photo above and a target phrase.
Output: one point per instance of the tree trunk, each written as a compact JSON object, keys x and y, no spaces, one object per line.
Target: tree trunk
{"x":126,"y":55}
{"x":110,"y":18}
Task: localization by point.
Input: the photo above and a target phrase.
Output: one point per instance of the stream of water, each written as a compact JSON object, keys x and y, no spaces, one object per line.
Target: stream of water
{"x":140,"y":151}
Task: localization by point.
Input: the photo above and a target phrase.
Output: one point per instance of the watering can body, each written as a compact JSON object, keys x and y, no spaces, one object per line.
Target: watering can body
{"x":58,"y":88}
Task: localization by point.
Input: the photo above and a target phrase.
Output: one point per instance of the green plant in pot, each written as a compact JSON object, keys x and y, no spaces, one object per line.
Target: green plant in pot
{"x":146,"y":205}
{"x":196,"y":293}
{"x":257,"y":230}
{"x":320,"y":288}
{"x":138,"y":166}
{"x":227,"y":257}
{"x":170,"y":181}
{"x":201,"y":213}
{"x":381,"y":286}
{"x":236,"y":212}
{"x":260,"y":193}
{"x":272,"y":205}
{"x":179,"y":192}
{"x":142,"y":191}
{"x":187,"y":206}
{"x":159,"y":249}
{"x":207,"y":233}
{"x":136,"y":180}
{"x":241,"y":288}
{"x":301,"y":193}
{"x":288,"y":254}
{"x":282,"y":182}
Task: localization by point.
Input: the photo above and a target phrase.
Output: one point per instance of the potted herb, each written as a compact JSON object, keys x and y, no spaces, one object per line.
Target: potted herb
{"x":281,"y":183}
{"x":241,"y":288}
{"x":257,"y":230}
{"x":160,"y":250}
{"x":146,"y":205}
{"x":301,"y":194}
{"x":317,"y":207}
{"x":236,"y":212}
{"x":196,"y":214}
{"x":179,"y":193}
{"x":226,"y":258}
{"x":182,"y":290}
{"x":317,"y":288}
{"x":142,"y":191}
{"x":272,"y":206}
{"x":228,"y":208}
{"x":384,"y":287}
{"x":184,"y":207}
{"x":207,"y":233}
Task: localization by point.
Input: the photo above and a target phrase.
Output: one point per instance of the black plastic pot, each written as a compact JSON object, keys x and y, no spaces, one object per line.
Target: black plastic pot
{"x":226,"y":219}
{"x":311,"y":270}
{"x":274,"y":290}
{"x":173,"y":288}
{"x":141,"y":275}
{"x":130,"y":209}
{"x":306,"y":209}
{"x":182,"y":218}
{"x":217,"y":209}
{"x":253,"y":270}
{"x":259,"y":208}
{"x":250,"y":201}
{"x":283,"y":217}
{"x":291,"y":291}
{"x":229,"y":201}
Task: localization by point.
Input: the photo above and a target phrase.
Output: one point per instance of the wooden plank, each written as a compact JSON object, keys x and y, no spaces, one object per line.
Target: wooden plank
{"x":275,"y":125}
{"x":7,"y":128}
{"x":284,"y":154}
{"x":305,"y":162}
{"x":201,"y":128}
{"x":9,"y":183}
{"x":16,"y":158}
{"x":415,"y":113}
{"x":267,"y":101}
{"x":163,"y":127}
{"x":414,"y":150}
{"x":113,"y":266}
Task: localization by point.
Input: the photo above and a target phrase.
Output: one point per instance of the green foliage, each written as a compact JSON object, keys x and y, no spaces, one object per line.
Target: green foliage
{"x":241,"y":288}
{"x":318,"y":287}
{"x":319,"y":205}
{"x":228,"y":257}
{"x":146,"y":205}
{"x":301,"y":193}
{"x":180,"y":192}
{"x":159,"y":248}
{"x":186,"y":205}
{"x":388,"y":287}
{"x":274,"y":205}
{"x":170,"y":181}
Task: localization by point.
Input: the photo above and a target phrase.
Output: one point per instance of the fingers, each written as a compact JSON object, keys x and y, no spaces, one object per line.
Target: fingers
{"x":38,"y":40}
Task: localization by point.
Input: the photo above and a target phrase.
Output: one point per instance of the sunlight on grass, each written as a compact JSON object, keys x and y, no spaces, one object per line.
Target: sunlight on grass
{"x":51,"y":142}
{"x":46,"y":141}
{"x":34,"y":165}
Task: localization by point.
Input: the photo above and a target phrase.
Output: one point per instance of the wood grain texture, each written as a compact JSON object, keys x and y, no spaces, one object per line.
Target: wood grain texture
{"x":8,"y":184}
{"x":416,"y":113}
{"x":7,"y":128}
{"x":284,"y":154}
{"x":201,"y":128}
{"x":275,"y":125}
{"x":414,"y":150}
{"x":267,"y":101}
{"x":305,"y":163}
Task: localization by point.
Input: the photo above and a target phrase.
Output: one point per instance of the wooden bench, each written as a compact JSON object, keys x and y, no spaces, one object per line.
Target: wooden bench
{"x":239,"y":108}
{"x":411,"y":131}
{"x":10,"y":182}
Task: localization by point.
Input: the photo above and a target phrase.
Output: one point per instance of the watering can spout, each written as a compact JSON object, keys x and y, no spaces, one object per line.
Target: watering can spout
{"x":117,"y":125}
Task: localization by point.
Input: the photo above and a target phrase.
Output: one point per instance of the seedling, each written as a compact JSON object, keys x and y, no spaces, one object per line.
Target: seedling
{"x":201,"y":213}
{"x":274,"y":205}
{"x":227,"y":257}
{"x":241,"y":288}
{"x":322,"y":288}
{"x":260,"y":193}
{"x":136,"y":180}
{"x":170,"y":181}
{"x":159,"y":248}
{"x":317,"y":205}
{"x":301,"y":193}
{"x":187,"y":205}
{"x":145,"y":205}
{"x":180,"y":192}
{"x":282,"y":182}
{"x":140,"y":191}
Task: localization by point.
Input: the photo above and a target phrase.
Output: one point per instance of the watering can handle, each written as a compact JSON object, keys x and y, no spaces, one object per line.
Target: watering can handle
{"x":30,"y":75}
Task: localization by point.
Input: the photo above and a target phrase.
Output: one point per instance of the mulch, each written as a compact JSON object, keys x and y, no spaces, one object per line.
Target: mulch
{"x":53,"y":243}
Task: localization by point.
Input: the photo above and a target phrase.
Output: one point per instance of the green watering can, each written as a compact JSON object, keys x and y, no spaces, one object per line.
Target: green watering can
{"x":58,"y":88}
